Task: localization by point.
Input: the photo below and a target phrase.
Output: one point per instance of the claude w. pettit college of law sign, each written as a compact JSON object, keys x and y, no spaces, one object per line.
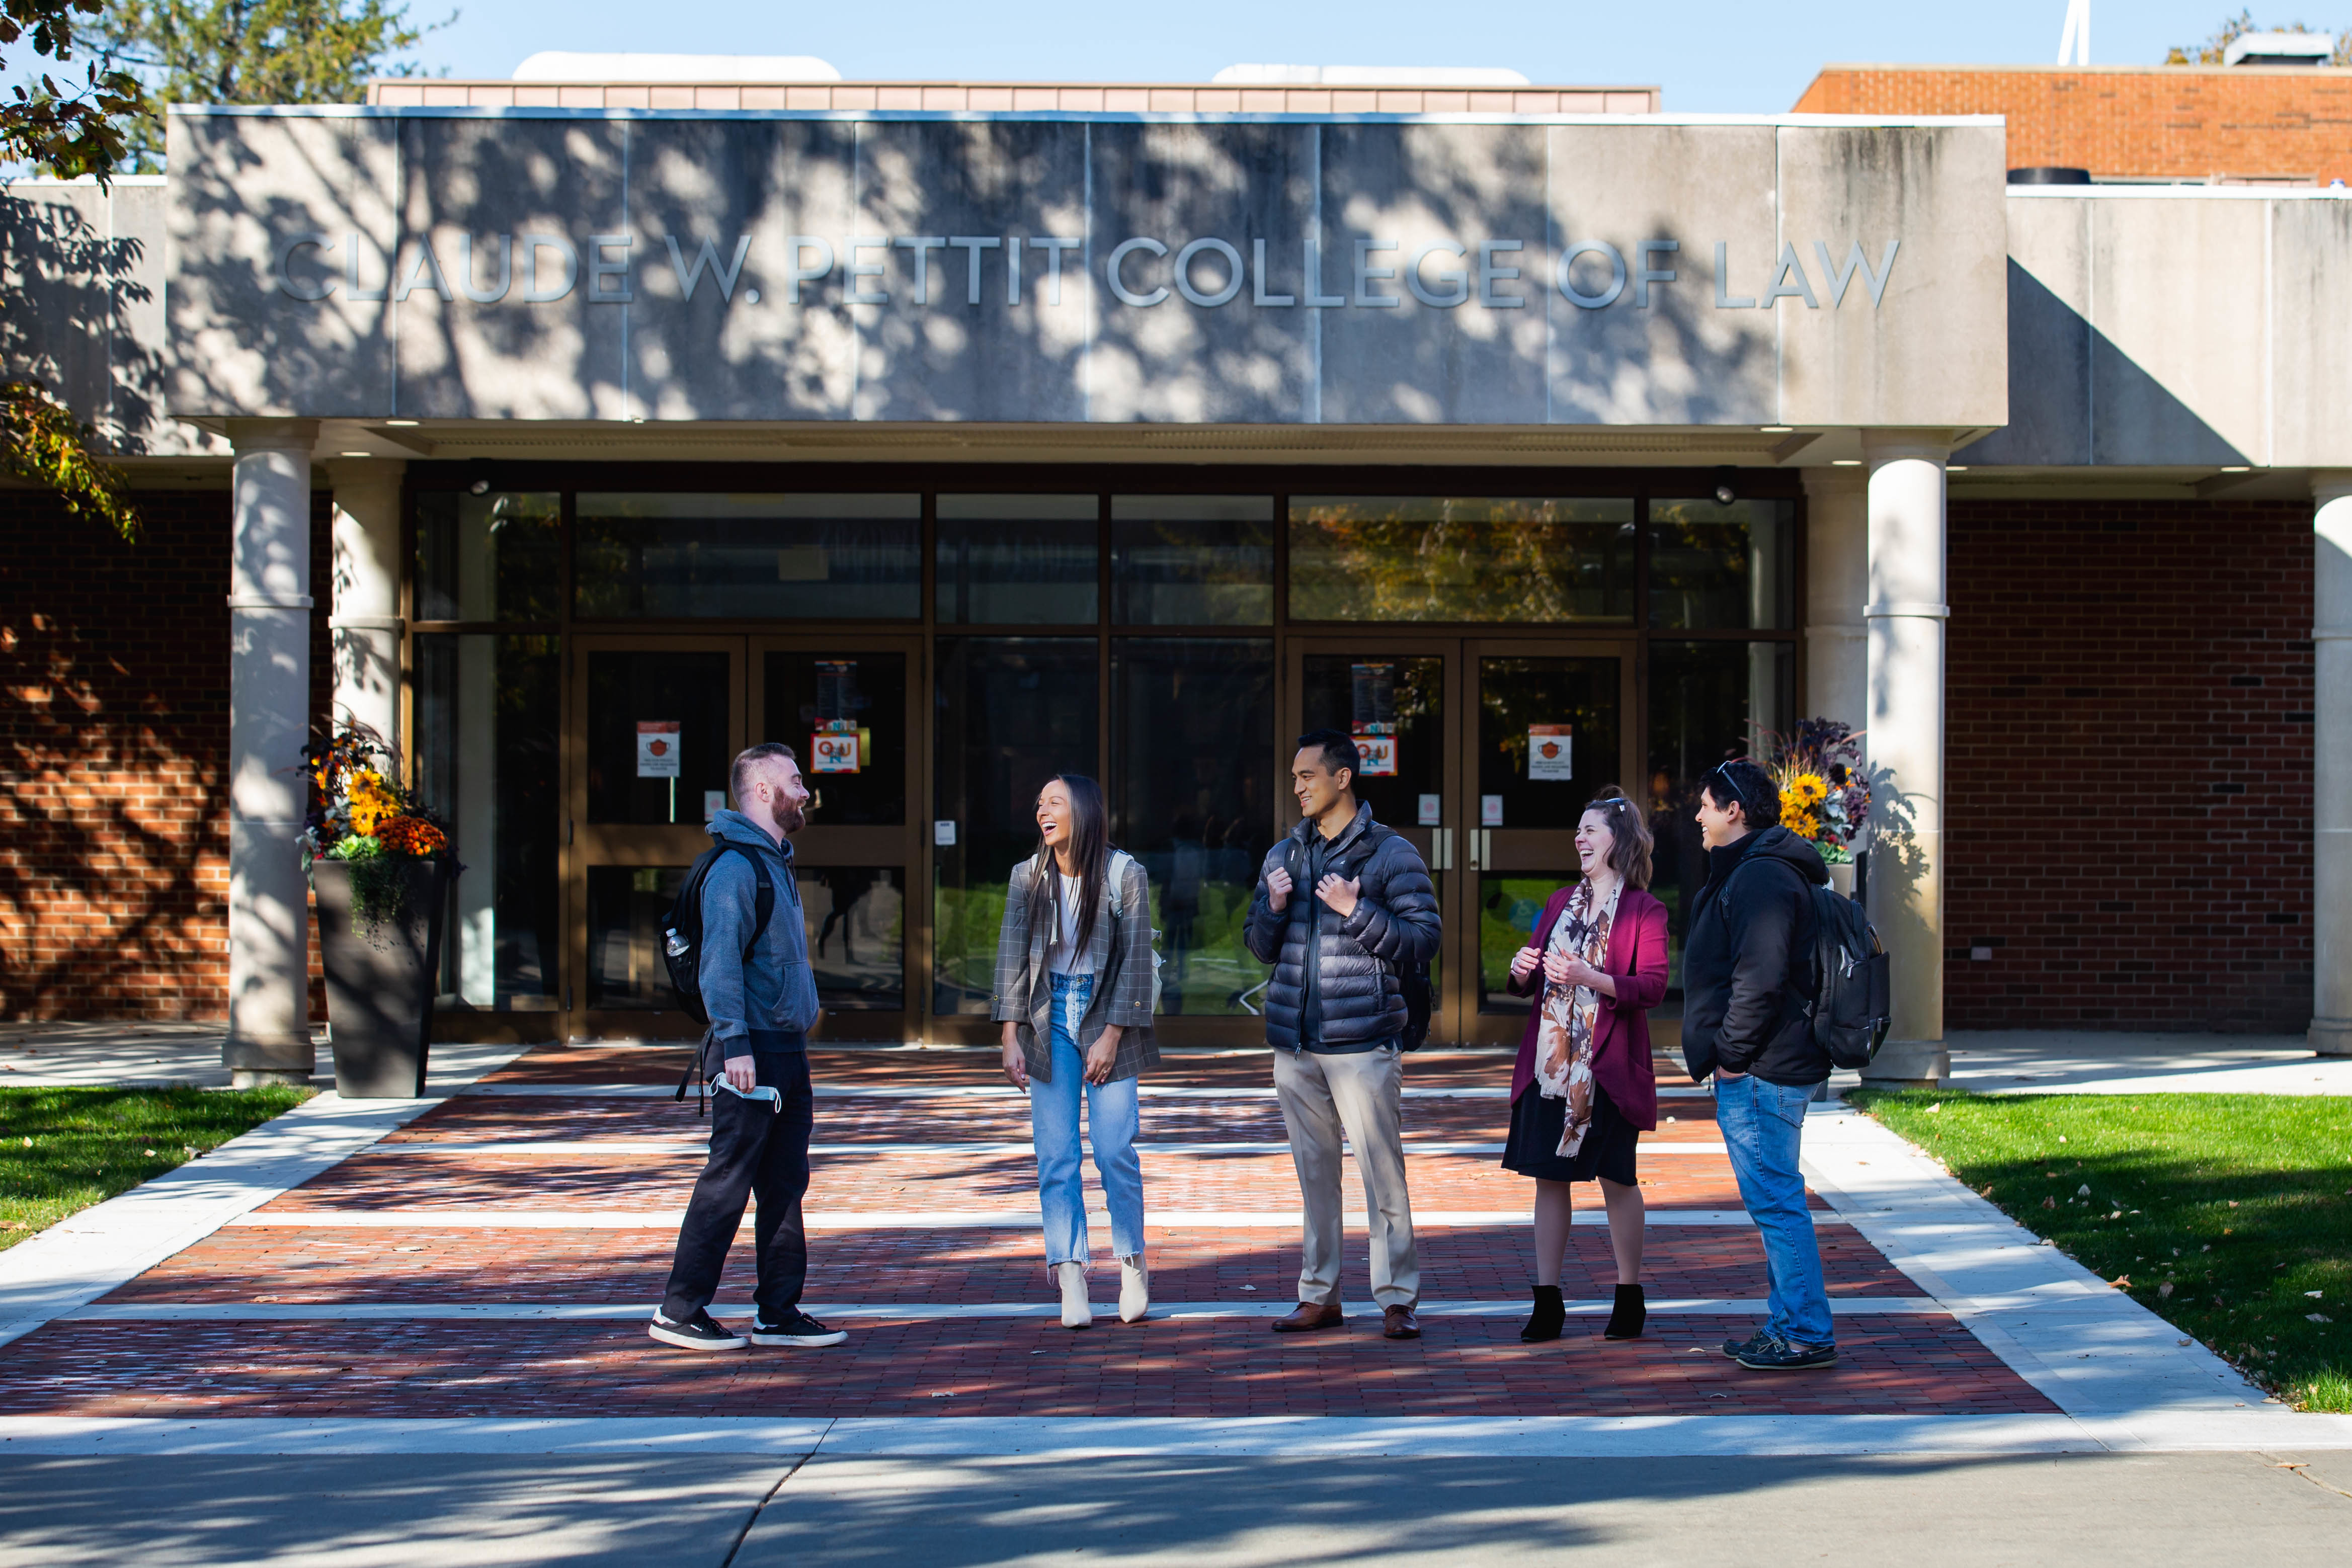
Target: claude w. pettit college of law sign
{"x":624,"y":265}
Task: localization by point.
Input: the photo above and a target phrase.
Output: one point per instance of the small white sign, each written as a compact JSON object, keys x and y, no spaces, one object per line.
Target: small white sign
{"x":943,"y":834}
{"x":1378,"y":753}
{"x":1490,"y":811}
{"x":1430,"y":812}
{"x":1549,"y":753}
{"x":713,"y":802}
{"x":657,"y":749}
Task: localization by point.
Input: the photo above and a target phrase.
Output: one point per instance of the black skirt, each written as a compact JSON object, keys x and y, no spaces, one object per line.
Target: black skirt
{"x":1536,"y":1126}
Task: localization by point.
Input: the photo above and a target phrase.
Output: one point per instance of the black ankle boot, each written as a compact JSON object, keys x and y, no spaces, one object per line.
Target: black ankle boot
{"x":1627,"y":1316}
{"x":1548,"y":1315}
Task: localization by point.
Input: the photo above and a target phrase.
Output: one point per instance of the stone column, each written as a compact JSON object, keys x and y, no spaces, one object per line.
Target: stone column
{"x":2331,"y":772}
{"x":270,"y":705}
{"x":1905,"y":693}
{"x":1837,"y":583}
{"x":366,"y":623}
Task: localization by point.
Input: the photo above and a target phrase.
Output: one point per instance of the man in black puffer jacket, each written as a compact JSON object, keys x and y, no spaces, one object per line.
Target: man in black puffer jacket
{"x":1343,"y":905}
{"x":1748,"y":986}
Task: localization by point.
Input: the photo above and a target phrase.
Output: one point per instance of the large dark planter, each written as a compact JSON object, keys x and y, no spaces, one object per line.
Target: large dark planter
{"x":381,"y":975}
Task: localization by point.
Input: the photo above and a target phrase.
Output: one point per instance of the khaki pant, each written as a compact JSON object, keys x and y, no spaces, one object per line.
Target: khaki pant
{"x":1361,"y":1094}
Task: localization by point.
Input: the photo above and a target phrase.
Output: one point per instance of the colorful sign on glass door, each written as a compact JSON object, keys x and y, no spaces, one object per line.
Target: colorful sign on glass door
{"x":1549,"y":751}
{"x":1373,"y":723}
{"x":839,"y":742}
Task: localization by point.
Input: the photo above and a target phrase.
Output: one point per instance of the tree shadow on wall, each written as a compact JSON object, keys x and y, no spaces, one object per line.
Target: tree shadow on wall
{"x":69,"y":291}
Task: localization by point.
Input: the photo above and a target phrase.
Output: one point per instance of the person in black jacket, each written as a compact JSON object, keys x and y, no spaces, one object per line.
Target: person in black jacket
{"x":1343,"y":905}
{"x":1747,"y":989}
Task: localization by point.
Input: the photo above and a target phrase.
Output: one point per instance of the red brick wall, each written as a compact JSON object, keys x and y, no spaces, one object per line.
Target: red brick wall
{"x":2188,"y":122}
{"x":113,"y":731}
{"x":2130,"y":765}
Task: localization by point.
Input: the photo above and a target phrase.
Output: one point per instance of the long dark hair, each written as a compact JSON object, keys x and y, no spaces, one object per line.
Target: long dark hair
{"x":1089,"y":846}
{"x":1630,"y":843}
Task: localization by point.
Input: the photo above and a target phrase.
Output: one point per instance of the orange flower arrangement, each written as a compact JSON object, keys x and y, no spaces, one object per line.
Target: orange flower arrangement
{"x":407,"y":835}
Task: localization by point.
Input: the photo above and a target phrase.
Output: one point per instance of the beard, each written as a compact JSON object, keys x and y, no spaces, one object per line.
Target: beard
{"x":792,"y":819}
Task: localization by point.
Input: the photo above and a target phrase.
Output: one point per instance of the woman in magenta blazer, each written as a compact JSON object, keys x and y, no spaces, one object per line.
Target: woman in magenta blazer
{"x":1583,"y":1091}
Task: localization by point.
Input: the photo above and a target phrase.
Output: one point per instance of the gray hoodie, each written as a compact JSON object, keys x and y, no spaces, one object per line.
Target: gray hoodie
{"x":766,"y":1003}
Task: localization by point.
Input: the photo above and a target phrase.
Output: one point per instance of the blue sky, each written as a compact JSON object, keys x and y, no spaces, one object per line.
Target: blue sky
{"x":1710,"y":56}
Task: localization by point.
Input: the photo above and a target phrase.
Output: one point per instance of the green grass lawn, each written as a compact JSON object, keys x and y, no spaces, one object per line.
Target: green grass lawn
{"x":64,"y":1149}
{"x":2228,"y":1215}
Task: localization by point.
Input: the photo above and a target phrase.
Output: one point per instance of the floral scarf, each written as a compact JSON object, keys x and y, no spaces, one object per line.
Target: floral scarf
{"x":1569,"y":1013}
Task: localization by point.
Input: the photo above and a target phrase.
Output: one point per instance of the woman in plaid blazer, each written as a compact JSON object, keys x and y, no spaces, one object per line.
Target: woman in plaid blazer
{"x":1075,"y":975}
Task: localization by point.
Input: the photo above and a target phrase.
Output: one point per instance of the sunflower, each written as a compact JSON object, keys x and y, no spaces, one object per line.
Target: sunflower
{"x":372,"y":801}
{"x":1807,"y":790}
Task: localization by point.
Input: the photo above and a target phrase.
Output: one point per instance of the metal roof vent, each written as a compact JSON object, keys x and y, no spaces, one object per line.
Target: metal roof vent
{"x":2280,"y":50}
{"x":1368,"y":75}
{"x":563,"y":66}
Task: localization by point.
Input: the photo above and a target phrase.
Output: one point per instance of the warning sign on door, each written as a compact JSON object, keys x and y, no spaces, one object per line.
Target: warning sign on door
{"x":657,"y":749}
{"x":1549,"y":753}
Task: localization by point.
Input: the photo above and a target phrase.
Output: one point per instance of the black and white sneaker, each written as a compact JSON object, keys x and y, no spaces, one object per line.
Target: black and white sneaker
{"x":798,"y":1331}
{"x":700,"y":1332}
{"x":1736,"y":1348}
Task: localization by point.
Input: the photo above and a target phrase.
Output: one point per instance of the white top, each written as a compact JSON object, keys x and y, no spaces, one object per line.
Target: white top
{"x":1068,"y":957}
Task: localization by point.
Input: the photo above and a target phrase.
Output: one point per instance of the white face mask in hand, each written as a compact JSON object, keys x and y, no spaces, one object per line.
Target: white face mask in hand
{"x":768,"y":1092}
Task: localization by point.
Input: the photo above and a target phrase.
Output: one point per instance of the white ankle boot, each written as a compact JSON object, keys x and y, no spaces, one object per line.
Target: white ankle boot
{"x":1078,"y":1313}
{"x":1134,"y":1289}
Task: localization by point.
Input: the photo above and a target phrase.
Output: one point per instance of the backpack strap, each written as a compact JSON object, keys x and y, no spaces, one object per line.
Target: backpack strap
{"x":763,"y":901}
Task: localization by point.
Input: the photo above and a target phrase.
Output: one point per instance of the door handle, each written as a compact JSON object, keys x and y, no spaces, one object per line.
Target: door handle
{"x":1441,"y":849}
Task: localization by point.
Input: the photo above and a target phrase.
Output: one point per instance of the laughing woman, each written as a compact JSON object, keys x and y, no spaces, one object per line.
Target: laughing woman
{"x":1583,"y":1091}
{"x":1074,"y":975}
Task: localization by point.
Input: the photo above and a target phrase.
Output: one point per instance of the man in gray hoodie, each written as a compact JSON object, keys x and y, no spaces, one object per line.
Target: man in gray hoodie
{"x":763,"y":1002}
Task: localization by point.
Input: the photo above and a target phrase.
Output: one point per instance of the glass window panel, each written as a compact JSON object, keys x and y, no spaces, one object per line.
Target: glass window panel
{"x":1367,"y":694}
{"x":1719,"y":568}
{"x":1191,"y":560}
{"x":806,"y":692}
{"x":1011,"y":714}
{"x":1510,"y":905}
{"x":857,"y":918}
{"x":1518,"y":696}
{"x":498,"y":557}
{"x":627,"y":690}
{"x":487,"y":763}
{"x":625,"y":906}
{"x":1193,"y":776}
{"x":825,"y":557}
{"x":1706,"y":702}
{"x":1416,"y":557}
{"x":1019,"y":560}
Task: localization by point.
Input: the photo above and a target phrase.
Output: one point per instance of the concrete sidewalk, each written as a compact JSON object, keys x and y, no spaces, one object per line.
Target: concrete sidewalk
{"x":138,"y":1055}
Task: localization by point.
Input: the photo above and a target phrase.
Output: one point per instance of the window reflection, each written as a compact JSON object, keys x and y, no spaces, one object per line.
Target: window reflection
{"x":805,"y":557}
{"x":1024,"y":560}
{"x":1192,"y":780}
{"x":1722,"y":567}
{"x":498,"y":557}
{"x":1485,"y":558}
{"x":1191,"y":560}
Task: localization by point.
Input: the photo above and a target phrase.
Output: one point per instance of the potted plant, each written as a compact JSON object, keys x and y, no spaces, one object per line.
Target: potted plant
{"x":381,"y":869}
{"x":1824,"y":791}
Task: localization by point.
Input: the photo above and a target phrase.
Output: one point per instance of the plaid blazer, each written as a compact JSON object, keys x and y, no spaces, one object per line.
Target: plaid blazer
{"x":1121,"y":950}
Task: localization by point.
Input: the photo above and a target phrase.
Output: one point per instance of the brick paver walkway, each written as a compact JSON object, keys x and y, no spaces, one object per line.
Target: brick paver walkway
{"x":980,"y":1248}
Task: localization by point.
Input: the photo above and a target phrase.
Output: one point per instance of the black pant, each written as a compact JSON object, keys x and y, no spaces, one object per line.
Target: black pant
{"x":753,"y":1151}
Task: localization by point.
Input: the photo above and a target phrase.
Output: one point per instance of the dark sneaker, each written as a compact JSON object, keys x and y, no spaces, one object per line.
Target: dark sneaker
{"x":700,"y":1332}
{"x":1736,"y":1348}
{"x":798,"y":1331}
{"x":1787,"y":1355}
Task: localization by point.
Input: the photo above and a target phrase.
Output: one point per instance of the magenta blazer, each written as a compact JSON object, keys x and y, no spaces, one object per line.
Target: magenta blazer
{"x":1621,"y":1056}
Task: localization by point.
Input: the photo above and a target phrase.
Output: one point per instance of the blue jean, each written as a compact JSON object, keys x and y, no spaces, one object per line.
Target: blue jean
{"x":1111,"y":1120}
{"x":1762,"y":1125}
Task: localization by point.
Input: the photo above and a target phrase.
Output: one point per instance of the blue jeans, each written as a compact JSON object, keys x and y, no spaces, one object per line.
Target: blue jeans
{"x":1762,"y":1125}
{"x":1111,"y":1120}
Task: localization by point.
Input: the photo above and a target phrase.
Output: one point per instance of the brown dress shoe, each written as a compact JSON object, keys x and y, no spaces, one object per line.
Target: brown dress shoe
{"x":1310,"y":1315}
{"x":1398,"y":1322}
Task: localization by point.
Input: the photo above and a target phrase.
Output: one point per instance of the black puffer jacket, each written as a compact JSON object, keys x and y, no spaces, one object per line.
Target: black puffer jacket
{"x":1748,"y":966}
{"x":1395,"y":924}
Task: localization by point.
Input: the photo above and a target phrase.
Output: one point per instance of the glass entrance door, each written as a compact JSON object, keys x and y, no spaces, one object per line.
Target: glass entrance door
{"x":1482,"y":753}
{"x":849,"y":707}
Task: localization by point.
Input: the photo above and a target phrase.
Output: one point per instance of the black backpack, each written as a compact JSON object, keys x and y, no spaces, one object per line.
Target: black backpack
{"x":1852,"y":1008}
{"x":682,"y":926}
{"x":1413,"y":979}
